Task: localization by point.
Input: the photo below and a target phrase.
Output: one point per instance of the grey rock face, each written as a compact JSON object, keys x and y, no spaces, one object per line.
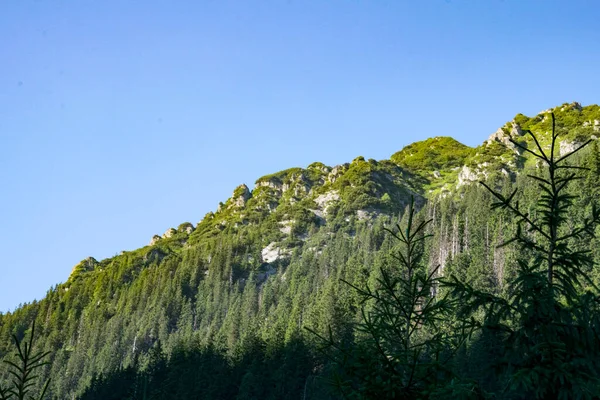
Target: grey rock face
{"x":242,"y":194}
{"x":169,"y":233}
{"x":324,"y":200}
{"x":466,"y":175}
{"x":186,"y":227}
{"x":272,"y":253}
{"x":367,"y":215}
{"x":286,"y":226}
{"x":500,"y":136}
{"x":567,"y":147}
{"x":273,"y":185}
{"x":336,"y":172}
{"x":516,"y":130}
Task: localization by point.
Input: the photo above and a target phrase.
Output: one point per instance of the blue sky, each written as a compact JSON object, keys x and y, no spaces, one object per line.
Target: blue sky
{"x":120,"y":119}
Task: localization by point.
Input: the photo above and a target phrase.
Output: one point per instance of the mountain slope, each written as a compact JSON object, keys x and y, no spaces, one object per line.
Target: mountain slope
{"x":268,"y":261}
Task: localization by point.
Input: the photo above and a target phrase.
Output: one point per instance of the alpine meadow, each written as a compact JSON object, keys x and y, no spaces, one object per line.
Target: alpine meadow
{"x":443,"y":272}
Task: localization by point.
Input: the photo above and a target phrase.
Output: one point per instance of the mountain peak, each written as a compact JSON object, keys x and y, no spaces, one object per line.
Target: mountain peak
{"x":434,"y":154}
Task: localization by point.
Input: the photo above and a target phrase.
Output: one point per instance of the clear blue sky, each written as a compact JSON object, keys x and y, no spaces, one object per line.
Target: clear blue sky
{"x":120,"y":119}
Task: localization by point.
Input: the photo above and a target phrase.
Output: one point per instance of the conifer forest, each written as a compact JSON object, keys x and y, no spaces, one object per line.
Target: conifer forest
{"x":443,"y":272}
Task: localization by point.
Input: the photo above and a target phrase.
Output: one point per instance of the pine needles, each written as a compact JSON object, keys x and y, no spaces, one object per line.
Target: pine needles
{"x":24,"y":371}
{"x":550,"y":321}
{"x":407,"y":336}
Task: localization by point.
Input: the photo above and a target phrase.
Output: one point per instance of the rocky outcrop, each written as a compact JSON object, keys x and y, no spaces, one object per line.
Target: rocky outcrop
{"x":271,"y":184}
{"x":241,"y":195}
{"x":367,"y":215}
{"x":502,"y":137}
{"x":185,"y":227}
{"x":320,"y":214}
{"x":325,"y":199}
{"x":324,"y":169}
{"x":572,"y":106}
{"x":566,"y":147}
{"x":85,"y":265}
{"x":272,"y":253}
{"x":516,"y":130}
{"x":505,"y":134}
{"x":466,"y":175}
{"x":169,"y":233}
{"x":155,"y":239}
{"x":299,"y":183}
{"x":336,"y":172}
{"x":286,"y":226}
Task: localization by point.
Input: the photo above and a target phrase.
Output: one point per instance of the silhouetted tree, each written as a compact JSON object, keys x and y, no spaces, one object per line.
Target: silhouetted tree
{"x":549,"y":323}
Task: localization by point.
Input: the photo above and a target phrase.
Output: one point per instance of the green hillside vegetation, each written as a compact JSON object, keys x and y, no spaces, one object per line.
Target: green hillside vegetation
{"x":222,"y":309}
{"x":435,"y":161}
{"x":435,"y":154}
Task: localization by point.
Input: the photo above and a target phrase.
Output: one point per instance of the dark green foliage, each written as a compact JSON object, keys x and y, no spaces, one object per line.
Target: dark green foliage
{"x":405,"y":339}
{"x":206,"y":373}
{"x":24,"y":369}
{"x":549,"y":322}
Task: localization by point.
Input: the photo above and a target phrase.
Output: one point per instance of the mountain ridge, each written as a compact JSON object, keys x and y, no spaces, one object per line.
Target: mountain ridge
{"x":434,"y":166}
{"x":268,"y":262}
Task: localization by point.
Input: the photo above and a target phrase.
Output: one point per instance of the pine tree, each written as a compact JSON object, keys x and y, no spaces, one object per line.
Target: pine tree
{"x":549,"y":323}
{"x":24,"y":370}
{"x":404,"y":346}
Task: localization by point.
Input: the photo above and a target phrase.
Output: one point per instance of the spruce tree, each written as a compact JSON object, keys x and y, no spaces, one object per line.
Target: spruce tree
{"x":24,"y":369}
{"x":549,"y":323}
{"x":405,"y":341}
